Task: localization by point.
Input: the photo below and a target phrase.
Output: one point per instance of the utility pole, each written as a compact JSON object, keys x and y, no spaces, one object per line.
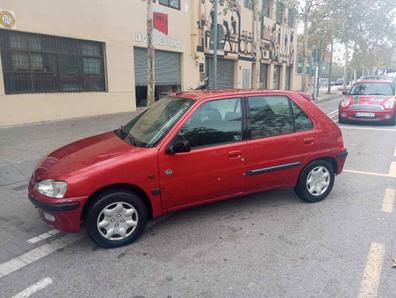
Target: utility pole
{"x":330,"y":64}
{"x":257,"y":37}
{"x":214,"y":43}
{"x":150,"y":55}
{"x":346,"y":66}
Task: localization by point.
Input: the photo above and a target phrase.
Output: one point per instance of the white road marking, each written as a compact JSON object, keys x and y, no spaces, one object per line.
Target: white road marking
{"x":372,"y":272}
{"x":389,"y":200}
{"x":392,"y":169}
{"x":38,"y":253}
{"x":332,"y":113}
{"x":394,"y":152}
{"x":34,"y":288}
{"x":43,"y":236}
{"x":367,"y":173}
{"x":368,"y":128}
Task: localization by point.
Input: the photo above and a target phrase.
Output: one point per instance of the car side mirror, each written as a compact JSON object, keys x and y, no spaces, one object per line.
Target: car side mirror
{"x":178,"y":146}
{"x":346,"y":93}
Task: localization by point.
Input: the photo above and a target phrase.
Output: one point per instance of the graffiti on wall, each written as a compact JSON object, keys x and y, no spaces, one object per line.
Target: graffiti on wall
{"x":276,"y":42}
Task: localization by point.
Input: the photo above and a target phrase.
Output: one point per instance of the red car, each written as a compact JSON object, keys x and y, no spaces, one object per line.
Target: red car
{"x":370,"y":101}
{"x":188,"y":149}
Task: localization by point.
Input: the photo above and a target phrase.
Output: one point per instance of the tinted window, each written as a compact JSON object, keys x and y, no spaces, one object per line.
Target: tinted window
{"x":215,"y":122}
{"x":301,"y":120}
{"x":269,"y":116}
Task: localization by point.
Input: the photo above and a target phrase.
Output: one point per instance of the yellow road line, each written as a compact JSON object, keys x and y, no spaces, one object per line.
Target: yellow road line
{"x":372,"y":272}
{"x":389,"y":200}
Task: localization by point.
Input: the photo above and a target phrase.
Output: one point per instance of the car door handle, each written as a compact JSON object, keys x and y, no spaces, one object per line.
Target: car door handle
{"x":235,"y":154}
{"x":309,"y":141}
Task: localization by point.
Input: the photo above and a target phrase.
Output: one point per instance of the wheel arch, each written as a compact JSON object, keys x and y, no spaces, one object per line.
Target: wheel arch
{"x":331,"y":160}
{"x":118,"y":186}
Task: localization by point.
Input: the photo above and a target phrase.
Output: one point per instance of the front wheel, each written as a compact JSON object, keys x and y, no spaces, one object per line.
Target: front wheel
{"x":116,"y":218}
{"x":316,"y":181}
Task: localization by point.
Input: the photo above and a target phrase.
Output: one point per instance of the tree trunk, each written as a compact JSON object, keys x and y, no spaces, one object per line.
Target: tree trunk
{"x":256,"y":75}
{"x":150,"y":55}
{"x":305,"y":55}
{"x":330,"y":65}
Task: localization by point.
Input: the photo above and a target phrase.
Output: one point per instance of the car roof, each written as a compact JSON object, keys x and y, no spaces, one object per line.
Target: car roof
{"x":373,"y":81}
{"x":217,"y":93}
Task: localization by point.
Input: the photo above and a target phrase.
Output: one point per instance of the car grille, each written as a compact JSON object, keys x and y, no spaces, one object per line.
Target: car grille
{"x":366,"y":107}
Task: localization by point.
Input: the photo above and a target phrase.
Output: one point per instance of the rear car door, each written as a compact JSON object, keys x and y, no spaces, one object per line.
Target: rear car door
{"x":214,"y":167}
{"x":279,"y":133}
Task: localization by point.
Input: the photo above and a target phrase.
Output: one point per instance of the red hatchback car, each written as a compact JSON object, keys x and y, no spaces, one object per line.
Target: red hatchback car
{"x":188,"y":149}
{"x":369,"y":101}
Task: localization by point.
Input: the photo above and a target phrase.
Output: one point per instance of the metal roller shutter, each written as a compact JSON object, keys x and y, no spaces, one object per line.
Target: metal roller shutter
{"x":225,"y":73}
{"x":167,"y":67}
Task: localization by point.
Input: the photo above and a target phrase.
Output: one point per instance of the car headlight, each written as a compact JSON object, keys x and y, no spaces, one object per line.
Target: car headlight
{"x":389,"y":103}
{"x":345,"y":102}
{"x":51,"y":188}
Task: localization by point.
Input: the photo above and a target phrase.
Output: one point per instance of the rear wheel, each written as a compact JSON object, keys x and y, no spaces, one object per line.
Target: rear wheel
{"x":116,"y":219}
{"x":316,"y":181}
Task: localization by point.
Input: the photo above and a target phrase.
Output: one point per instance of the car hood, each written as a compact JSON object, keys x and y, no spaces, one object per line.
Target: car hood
{"x":369,"y":99}
{"x":80,"y":156}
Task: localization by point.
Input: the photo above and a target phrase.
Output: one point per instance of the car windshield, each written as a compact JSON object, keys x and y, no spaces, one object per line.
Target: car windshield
{"x":372,"y":89}
{"x":147,"y":129}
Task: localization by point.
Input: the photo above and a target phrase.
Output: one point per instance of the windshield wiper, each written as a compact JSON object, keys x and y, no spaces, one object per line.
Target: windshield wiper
{"x":128,"y":135}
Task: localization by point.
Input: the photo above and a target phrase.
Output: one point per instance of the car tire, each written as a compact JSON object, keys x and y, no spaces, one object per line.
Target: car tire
{"x":116,"y":219}
{"x":316,"y":181}
{"x":392,"y":121}
{"x":341,"y":119}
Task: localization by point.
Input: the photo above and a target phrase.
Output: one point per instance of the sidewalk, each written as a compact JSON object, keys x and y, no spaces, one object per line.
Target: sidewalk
{"x":22,"y":146}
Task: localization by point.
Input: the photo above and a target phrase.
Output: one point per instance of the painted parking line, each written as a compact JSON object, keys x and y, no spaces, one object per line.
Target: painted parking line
{"x":42,"y":284}
{"x":391,"y":173}
{"x":394,"y":152}
{"x":372,"y":271}
{"x":389,"y":200}
{"x":38,"y":253}
{"x":368,"y":128}
{"x":43,"y":236}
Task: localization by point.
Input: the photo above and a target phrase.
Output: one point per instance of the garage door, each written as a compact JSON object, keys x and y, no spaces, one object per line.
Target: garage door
{"x":225,"y":73}
{"x":167,"y":67}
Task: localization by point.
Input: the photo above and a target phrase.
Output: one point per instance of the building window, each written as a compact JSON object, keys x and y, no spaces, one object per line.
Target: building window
{"x":280,"y":9}
{"x":291,"y":17}
{"x":248,"y":4}
{"x":171,"y":3}
{"x":35,"y":63}
{"x":266,"y":8}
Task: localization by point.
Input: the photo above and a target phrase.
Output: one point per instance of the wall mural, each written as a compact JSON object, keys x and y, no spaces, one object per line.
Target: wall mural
{"x":235,"y":41}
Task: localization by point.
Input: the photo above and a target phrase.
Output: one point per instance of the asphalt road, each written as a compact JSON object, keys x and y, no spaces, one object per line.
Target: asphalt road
{"x":266,"y":245}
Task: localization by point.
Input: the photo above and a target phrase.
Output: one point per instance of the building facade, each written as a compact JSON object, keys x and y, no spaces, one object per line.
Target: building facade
{"x":81,"y":58}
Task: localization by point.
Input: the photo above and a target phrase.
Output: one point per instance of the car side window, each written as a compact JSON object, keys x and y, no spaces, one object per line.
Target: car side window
{"x":301,"y":120}
{"x":215,"y":122}
{"x":269,"y":116}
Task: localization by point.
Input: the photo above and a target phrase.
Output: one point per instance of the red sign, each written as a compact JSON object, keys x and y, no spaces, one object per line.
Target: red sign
{"x":161,"y":22}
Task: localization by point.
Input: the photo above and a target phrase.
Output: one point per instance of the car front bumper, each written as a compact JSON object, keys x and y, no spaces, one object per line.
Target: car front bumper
{"x":62,"y":214}
{"x":379,"y":116}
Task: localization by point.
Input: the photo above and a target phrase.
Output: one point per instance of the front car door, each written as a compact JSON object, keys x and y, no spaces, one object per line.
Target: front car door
{"x":214,"y":168}
{"x":276,"y":128}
